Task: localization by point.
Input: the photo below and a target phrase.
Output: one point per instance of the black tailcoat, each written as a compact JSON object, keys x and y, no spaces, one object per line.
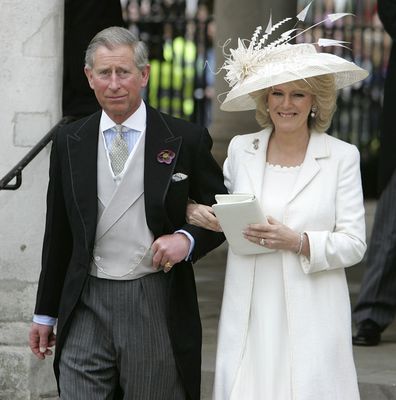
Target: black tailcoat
{"x":72,"y":208}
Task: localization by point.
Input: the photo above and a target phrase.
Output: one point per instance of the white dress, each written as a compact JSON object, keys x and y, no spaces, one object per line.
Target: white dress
{"x":265,"y":369}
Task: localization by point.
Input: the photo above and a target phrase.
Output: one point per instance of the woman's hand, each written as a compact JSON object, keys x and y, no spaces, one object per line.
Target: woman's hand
{"x":277,"y":236}
{"x":202,"y":216}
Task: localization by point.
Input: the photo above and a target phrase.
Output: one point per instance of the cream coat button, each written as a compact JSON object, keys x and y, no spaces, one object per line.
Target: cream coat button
{"x":97,"y":258}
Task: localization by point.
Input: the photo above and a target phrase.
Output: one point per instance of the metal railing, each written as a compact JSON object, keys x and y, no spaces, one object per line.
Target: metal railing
{"x":16,"y":171}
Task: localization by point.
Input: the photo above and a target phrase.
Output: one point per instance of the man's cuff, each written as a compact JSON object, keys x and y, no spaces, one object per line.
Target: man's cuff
{"x":44,"y":320}
{"x":192,"y":243}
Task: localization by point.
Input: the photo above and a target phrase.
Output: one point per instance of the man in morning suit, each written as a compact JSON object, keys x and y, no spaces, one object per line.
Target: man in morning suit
{"x":117,"y":254}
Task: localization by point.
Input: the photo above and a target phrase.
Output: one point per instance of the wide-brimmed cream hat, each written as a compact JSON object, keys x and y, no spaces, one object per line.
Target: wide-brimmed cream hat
{"x":258,"y":66}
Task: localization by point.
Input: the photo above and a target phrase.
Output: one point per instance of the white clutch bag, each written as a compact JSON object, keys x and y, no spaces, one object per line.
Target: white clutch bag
{"x":235,"y":212}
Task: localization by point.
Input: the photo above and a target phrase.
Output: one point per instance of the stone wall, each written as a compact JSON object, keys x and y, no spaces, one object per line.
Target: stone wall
{"x":31,"y":37}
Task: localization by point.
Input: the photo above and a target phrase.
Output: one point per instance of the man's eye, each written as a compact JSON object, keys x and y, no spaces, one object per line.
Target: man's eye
{"x":123,"y":74}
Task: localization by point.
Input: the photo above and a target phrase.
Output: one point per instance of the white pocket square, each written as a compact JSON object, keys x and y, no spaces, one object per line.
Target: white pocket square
{"x":179,"y":177}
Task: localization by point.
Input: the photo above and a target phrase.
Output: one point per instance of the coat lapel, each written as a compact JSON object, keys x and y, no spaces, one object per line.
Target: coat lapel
{"x":82,"y":147}
{"x":157,"y":175}
{"x":317,"y":148}
{"x":256,"y":156}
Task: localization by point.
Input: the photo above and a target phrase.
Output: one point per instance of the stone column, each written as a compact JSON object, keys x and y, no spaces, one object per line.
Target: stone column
{"x":31,"y":44}
{"x":235,"y":18}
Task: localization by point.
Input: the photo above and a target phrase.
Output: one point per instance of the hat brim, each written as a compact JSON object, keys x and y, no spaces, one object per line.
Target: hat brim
{"x":345,"y":73}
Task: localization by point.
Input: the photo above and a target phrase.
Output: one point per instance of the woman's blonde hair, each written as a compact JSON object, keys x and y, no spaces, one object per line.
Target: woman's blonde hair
{"x":324,"y":92}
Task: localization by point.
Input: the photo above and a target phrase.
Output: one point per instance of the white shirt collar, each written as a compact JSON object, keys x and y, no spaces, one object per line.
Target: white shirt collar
{"x":136,"y":121}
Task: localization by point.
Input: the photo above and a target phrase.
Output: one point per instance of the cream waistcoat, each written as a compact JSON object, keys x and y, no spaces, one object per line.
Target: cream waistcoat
{"x":123,"y":239}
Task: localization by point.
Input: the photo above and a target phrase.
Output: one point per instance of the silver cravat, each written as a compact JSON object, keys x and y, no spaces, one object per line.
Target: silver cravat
{"x":119,"y":150}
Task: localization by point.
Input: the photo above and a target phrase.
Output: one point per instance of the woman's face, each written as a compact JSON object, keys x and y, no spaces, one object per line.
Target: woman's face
{"x":289,"y":108}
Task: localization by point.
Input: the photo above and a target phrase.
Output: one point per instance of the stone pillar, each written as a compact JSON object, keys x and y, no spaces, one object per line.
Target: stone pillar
{"x":31,"y":44}
{"x":235,"y":18}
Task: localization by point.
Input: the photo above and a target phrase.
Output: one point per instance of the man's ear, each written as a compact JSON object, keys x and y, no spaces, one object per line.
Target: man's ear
{"x":88,"y":74}
{"x":145,"y":75}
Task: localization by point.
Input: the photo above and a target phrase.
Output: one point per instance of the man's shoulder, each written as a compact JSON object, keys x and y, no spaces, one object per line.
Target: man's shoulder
{"x":77,"y":125}
{"x":83,"y":121}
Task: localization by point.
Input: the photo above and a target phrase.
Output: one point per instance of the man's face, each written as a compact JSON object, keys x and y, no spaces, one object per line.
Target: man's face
{"x":116,"y":81}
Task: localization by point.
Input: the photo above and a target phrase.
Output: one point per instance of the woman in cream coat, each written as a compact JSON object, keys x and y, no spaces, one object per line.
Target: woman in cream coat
{"x":285,"y":324}
{"x":325,"y":203}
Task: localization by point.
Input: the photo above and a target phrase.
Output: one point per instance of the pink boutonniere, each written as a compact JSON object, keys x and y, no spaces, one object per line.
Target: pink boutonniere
{"x":166,"y":156}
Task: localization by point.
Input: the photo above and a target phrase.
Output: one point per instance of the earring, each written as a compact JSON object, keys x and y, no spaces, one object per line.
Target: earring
{"x":314,"y":110}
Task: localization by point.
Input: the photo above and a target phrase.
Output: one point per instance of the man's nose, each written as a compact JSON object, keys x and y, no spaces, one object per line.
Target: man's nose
{"x":114,"y":83}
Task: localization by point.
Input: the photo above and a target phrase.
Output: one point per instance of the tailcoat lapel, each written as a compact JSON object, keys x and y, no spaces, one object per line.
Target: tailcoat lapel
{"x":82,"y":153}
{"x":82,"y":146}
{"x":157,"y":175}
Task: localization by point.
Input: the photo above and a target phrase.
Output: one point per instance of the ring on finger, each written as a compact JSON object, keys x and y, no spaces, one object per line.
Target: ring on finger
{"x":262,"y":242}
{"x":168,"y":265}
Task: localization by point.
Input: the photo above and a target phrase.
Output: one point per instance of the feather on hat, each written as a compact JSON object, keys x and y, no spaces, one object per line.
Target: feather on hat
{"x":260,"y":65}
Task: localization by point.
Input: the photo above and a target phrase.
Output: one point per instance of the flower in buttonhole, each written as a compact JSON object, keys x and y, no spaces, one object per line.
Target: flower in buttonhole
{"x":165,"y":156}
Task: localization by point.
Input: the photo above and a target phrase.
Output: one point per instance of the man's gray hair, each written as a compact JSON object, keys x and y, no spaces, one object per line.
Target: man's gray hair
{"x":113,"y":37}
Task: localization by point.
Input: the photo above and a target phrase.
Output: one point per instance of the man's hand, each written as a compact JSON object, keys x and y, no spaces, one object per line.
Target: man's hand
{"x":169,"y":250}
{"x":41,"y":338}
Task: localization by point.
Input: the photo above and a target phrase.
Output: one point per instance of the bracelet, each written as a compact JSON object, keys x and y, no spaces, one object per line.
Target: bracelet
{"x":300,"y":245}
